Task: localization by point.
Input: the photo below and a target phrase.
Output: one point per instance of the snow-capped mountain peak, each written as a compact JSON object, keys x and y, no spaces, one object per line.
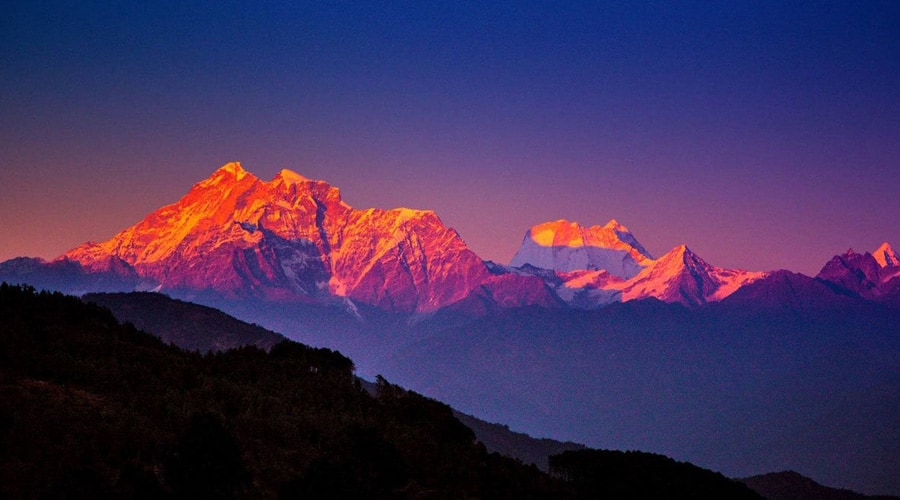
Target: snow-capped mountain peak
{"x":680,"y":252}
{"x":682,"y":276}
{"x":289,"y":177}
{"x":295,"y":239}
{"x":885,"y":256}
{"x":292,"y":239}
{"x":565,"y":246}
{"x":614,"y":225}
{"x":232,"y":170}
{"x":590,"y":267}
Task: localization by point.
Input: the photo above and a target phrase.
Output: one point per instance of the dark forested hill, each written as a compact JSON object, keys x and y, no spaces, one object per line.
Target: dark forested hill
{"x":623,"y":475}
{"x":91,"y":408}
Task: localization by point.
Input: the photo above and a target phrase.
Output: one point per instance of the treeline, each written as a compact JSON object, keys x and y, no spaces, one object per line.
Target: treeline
{"x":91,"y":408}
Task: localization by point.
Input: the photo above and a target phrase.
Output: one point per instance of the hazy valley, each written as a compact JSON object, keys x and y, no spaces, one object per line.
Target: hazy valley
{"x":583,"y":337}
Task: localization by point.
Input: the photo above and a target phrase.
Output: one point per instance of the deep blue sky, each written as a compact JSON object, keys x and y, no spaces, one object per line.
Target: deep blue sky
{"x":762,"y":134}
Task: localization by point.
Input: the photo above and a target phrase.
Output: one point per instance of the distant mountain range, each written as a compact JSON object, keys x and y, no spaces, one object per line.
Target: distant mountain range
{"x":292,"y":239}
{"x":584,"y":336}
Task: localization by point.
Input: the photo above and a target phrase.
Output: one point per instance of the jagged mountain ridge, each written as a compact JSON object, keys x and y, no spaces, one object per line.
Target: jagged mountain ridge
{"x":592,"y":267}
{"x":292,"y":239}
{"x":871,"y":277}
{"x":682,"y":276}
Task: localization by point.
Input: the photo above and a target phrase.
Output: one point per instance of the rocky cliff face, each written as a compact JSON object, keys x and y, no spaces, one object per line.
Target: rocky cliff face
{"x":872,"y":277}
{"x":292,"y":239}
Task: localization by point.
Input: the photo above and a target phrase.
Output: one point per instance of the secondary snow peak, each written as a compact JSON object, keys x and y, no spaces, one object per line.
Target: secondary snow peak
{"x":682,"y":276}
{"x":289,"y":177}
{"x":886,"y":256}
{"x":565,"y":246}
{"x":616,"y":226}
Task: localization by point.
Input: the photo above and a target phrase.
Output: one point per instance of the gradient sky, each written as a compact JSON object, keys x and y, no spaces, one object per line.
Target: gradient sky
{"x":763,"y":134}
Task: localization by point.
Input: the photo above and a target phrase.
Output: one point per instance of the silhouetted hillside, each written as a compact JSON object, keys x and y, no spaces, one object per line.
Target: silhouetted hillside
{"x":624,"y":475}
{"x":790,"y":485}
{"x":530,"y":450}
{"x":196,"y":327}
{"x":187,"y":325}
{"x":96,"y":409}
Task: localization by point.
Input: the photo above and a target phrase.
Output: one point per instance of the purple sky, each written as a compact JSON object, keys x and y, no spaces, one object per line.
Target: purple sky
{"x":764,"y":135}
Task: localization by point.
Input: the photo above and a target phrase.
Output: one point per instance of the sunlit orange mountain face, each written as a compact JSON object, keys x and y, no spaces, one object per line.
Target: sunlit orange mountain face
{"x":295,"y":239}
